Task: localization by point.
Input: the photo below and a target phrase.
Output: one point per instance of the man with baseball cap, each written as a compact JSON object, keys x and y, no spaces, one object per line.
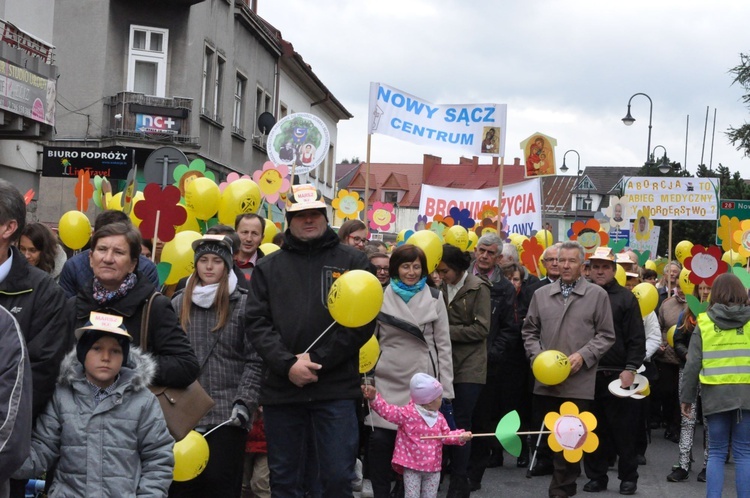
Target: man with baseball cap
{"x":617,"y":417}
{"x":307,"y":397}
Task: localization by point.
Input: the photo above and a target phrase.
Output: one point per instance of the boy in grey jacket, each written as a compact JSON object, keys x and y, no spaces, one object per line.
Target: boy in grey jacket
{"x":103,"y":427}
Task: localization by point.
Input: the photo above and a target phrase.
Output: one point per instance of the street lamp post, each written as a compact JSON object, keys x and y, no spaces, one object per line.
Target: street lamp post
{"x":629,"y":120}
{"x":664,"y":166}
{"x":565,"y":168}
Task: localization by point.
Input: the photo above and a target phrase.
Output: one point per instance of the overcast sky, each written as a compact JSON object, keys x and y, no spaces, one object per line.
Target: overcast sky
{"x":565,"y":68}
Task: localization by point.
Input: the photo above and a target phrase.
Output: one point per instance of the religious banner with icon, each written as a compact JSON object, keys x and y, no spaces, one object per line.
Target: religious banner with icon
{"x":539,"y":155}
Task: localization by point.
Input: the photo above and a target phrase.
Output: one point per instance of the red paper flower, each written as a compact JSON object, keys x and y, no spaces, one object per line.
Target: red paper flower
{"x":705,"y":264}
{"x":532,"y":251}
{"x":381,"y":216}
{"x":160,"y":212}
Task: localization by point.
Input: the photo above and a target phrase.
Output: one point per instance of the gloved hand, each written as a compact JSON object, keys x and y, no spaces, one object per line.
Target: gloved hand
{"x":240,"y":415}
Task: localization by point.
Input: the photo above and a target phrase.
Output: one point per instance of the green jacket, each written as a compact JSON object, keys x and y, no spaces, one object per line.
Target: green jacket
{"x":469,"y":318}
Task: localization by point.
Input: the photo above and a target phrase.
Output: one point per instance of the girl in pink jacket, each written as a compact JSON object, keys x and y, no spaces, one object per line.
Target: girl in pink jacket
{"x":418,"y":459}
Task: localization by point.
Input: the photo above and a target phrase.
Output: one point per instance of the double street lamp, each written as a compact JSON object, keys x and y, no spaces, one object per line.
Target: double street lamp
{"x":664,"y":166}
{"x":629,"y":120}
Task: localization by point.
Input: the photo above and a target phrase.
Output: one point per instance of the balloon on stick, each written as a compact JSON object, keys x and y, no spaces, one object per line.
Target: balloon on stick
{"x":74,"y":229}
{"x":429,"y":242}
{"x":648,"y":297}
{"x":190,"y":457}
{"x":268,"y":248}
{"x":202,"y":197}
{"x":682,"y":250}
{"x":269,"y":232}
{"x":368,"y":355}
{"x":457,"y":236}
{"x":551,"y":367}
{"x":179,"y":253}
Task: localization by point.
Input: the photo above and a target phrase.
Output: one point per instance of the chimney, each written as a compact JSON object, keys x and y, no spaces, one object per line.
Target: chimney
{"x":474,"y":164}
{"x":428,"y":163}
{"x":253,"y":4}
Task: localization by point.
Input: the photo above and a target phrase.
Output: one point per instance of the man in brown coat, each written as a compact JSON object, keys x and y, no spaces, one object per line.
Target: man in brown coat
{"x":573,"y":316}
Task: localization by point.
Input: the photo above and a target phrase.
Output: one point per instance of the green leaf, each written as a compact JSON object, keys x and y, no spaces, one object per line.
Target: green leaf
{"x":617,"y":245}
{"x":743,"y":275}
{"x":163,"y":270}
{"x":506,"y":433}
{"x":696,"y":307}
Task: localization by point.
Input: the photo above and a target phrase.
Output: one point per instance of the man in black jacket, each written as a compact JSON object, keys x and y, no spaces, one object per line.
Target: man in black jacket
{"x":617,"y":417}
{"x":307,"y":396}
{"x":37,"y":303}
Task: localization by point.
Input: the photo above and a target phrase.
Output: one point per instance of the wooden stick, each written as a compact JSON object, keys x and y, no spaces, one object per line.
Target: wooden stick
{"x":486,"y":434}
{"x":319,"y":337}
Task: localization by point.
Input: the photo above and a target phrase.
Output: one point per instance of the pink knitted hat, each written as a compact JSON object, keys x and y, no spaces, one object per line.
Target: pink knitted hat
{"x":425,"y":388}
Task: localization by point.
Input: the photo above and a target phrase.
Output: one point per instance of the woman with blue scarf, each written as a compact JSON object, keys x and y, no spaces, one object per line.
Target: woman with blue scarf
{"x":413,"y":334}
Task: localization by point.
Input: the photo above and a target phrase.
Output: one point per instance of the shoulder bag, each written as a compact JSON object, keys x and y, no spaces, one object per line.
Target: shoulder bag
{"x":183,"y":407}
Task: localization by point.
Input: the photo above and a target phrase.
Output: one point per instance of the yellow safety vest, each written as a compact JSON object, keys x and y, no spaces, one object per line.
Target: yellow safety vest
{"x":726,"y":353}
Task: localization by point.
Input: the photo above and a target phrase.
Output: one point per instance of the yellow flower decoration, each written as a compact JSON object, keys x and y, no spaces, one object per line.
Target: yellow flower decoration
{"x":572,"y":432}
{"x":727,"y":227}
{"x":741,"y":237}
{"x":643,"y":224}
{"x":347,"y":205}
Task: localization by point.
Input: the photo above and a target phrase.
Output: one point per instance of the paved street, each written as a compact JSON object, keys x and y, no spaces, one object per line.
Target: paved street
{"x":509,"y":481}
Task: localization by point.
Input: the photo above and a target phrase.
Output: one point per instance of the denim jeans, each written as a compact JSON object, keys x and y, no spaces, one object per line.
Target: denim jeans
{"x":720,"y":426}
{"x":331,"y":426}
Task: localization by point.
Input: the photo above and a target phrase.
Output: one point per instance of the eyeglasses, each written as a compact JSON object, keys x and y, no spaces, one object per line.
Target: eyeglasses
{"x":550,"y":260}
{"x":357,"y":240}
{"x":379,"y":269}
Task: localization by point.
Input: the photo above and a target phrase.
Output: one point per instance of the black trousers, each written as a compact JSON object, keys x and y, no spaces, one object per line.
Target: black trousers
{"x":565,"y":473}
{"x":379,"y":456}
{"x":223,"y":473}
{"x":665,"y":404}
{"x":617,"y":424}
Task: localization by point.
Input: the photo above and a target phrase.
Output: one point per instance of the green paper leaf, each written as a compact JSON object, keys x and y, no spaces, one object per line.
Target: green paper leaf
{"x":696,"y":307}
{"x":743,"y":275}
{"x":642,"y":256}
{"x":163,"y":270}
{"x":506,"y":433}
{"x":617,"y":245}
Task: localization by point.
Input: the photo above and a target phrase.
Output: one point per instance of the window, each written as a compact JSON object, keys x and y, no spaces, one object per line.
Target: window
{"x":262,"y":104}
{"x":283,"y":111}
{"x":208,"y":61}
{"x":390,"y":197}
{"x":218,"y":84}
{"x":239,"y":91}
{"x":583,"y":203}
{"x":147,"y":60}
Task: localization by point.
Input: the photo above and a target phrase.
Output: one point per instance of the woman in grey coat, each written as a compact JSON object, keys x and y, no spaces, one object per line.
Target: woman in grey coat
{"x":413,"y":334}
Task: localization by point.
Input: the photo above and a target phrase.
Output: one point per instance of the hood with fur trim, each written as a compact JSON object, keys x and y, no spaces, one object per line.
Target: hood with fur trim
{"x":139,"y":372}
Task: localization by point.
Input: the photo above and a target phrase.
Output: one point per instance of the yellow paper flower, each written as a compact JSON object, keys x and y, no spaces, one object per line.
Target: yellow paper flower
{"x":347,"y":205}
{"x":741,"y":238}
{"x":643,"y":224}
{"x":727,"y":227}
{"x":572,"y":432}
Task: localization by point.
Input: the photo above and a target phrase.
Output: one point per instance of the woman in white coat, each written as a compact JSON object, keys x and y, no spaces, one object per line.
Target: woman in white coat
{"x":414,"y":336}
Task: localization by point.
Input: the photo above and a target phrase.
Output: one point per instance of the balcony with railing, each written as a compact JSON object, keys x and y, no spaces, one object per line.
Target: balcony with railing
{"x":136,"y":116}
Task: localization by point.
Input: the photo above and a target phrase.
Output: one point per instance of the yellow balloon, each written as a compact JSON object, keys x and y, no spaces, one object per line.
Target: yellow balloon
{"x":138,"y":197}
{"x":620,"y":275}
{"x":545,"y":238}
{"x":202,"y":198}
{"x":685,"y":284}
{"x":115,"y":202}
{"x":650,"y":265}
{"x":457,"y":236}
{"x":402,"y":235}
{"x":733,"y":258}
{"x":430,"y":243}
{"x":518,"y":241}
{"x":682,"y":250}
{"x":269,"y":232}
{"x":191,"y":223}
{"x":648,"y":297}
{"x":74,"y":229}
{"x":355,"y":298}
{"x":179,"y":253}
{"x":670,"y":335}
{"x":268,"y":248}
{"x":239,"y":197}
{"x":551,"y":367}
{"x":473,"y":238}
{"x":542,"y":268}
{"x":368,"y":355}
{"x":190,"y":457}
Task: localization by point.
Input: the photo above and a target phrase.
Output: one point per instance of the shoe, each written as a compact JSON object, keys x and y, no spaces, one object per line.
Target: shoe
{"x":474,"y":485}
{"x":542,"y":469}
{"x":594,"y":486}
{"x":672,"y":436}
{"x":678,"y":475}
{"x":522,"y":461}
{"x":357,"y":482}
{"x":367,"y":489}
{"x":641,"y":459}
{"x":496,"y":459}
{"x":628,"y":487}
{"x":702,"y":475}
{"x":458,"y":487}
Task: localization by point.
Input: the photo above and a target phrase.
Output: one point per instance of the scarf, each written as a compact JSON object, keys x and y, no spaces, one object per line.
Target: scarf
{"x":406,"y":292}
{"x":102,"y":295}
{"x":430,"y":417}
{"x":205,"y":295}
{"x":566,"y":289}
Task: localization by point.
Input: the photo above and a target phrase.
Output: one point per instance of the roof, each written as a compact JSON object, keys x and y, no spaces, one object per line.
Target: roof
{"x":391,"y":176}
{"x":469,"y":174}
{"x":604,"y":178}
{"x":345,"y":172}
{"x":556,"y":193}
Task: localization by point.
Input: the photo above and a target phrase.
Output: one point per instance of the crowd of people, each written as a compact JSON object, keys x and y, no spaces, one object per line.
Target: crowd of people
{"x":83,"y":338}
